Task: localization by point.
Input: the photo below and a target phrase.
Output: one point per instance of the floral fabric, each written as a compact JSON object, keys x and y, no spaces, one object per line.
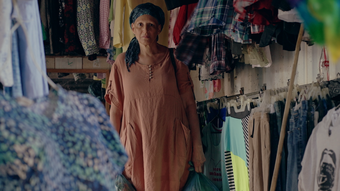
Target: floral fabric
{"x":64,"y":141}
{"x":85,"y":26}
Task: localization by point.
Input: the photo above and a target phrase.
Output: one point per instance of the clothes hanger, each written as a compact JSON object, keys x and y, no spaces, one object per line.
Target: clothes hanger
{"x":20,"y":22}
{"x":217,"y":116}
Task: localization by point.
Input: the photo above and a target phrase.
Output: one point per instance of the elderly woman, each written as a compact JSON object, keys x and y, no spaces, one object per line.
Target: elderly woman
{"x":153,"y":108}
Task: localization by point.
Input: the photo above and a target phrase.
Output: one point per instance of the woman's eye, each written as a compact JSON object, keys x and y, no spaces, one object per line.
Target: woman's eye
{"x":140,"y":24}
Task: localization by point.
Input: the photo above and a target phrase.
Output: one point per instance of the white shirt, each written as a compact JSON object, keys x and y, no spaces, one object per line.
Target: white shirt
{"x":320,"y":164}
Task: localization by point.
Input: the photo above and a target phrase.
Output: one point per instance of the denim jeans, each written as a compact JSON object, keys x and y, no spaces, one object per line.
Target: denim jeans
{"x":297,"y":141}
{"x":310,"y":117}
{"x":281,"y":180}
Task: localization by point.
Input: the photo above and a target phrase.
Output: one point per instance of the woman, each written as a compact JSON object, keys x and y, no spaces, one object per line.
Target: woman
{"x":153,"y":108}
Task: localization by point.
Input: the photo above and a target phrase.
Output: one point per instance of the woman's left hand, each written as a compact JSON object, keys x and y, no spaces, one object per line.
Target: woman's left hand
{"x":198,"y":158}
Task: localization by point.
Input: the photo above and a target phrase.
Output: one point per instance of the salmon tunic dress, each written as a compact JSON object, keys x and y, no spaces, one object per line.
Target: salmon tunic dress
{"x":154,"y":128}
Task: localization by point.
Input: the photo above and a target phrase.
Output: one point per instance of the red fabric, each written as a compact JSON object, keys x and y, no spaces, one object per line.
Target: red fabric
{"x":184,"y":15}
{"x":262,"y":13}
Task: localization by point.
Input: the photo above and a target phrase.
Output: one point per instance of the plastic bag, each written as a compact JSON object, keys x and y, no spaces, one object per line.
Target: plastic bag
{"x":199,"y":182}
{"x":122,"y":184}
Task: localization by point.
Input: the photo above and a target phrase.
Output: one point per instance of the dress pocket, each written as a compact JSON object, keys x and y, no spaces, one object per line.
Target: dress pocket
{"x":182,"y":139}
{"x":129,"y":141}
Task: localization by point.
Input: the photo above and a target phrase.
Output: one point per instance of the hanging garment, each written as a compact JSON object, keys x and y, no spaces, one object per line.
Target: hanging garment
{"x":256,"y":29}
{"x":257,"y":56}
{"x":191,"y":49}
{"x":6,"y":72}
{"x":54,"y":28}
{"x":320,"y":164}
{"x":183,"y":18}
{"x":235,"y":172}
{"x":16,"y":90}
{"x":259,"y":151}
{"x":281,"y":5}
{"x":71,"y":38}
{"x":291,"y":16}
{"x":286,"y":34}
{"x":85,"y":26}
{"x":122,"y":31}
{"x":296,"y":143}
{"x":33,"y":84}
{"x":262,"y":13}
{"x":43,"y":14}
{"x":104,"y":36}
{"x":172,"y":22}
{"x":240,"y":8}
{"x":212,"y":16}
{"x":172,"y":4}
{"x":221,"y":58}
{"x":154,"y":128}
{"x":204,"y":71}
{"x":279,"y":110}
{"x":63,"y":141}
{"x":211,"y":140}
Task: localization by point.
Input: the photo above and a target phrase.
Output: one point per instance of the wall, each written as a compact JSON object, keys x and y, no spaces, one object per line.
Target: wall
{"x":276,"y":76}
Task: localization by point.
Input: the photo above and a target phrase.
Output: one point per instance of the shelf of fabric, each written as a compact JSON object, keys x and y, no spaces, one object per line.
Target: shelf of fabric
{"x":76,"y":62}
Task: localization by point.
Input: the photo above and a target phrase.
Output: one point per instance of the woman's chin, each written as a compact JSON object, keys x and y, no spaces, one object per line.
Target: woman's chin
{"x":147,"y":41}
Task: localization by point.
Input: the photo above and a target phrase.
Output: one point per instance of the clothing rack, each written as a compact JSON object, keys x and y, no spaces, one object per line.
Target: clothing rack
{"x":286,"y":112}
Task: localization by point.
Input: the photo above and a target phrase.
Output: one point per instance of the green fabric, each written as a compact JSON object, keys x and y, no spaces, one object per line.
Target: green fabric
{"x":240,"y":173}
{"x":43,"y":32}
{"x":111,"y":16}
{"x":118,"y":51}
{"x":233,"y":144}
{"x":235,"y":138}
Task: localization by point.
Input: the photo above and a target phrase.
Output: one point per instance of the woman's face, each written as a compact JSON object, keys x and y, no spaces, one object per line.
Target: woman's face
{"x":146,"y":29}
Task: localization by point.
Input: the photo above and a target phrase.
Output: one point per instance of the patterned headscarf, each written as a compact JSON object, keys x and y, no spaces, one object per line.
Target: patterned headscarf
{"x":143,"y":9}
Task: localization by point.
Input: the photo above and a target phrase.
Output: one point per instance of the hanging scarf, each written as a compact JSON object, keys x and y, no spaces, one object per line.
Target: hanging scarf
{"x":143,"y":9}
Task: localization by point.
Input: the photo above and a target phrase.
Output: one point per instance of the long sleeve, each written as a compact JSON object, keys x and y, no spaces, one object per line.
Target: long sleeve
{"x":115,"y":97}
{"x":85,"y":26}
{"x":118,"y":26}
{"x":104,"y":36}
{"x":185,"y":87}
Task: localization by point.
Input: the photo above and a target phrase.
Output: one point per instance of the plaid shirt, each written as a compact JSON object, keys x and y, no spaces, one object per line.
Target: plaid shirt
{"x":257,"y":29}
{"x":218,"y":16}
{"x":218,"y":54}
{"x":191,"y":49}
{"x":240,"y":6}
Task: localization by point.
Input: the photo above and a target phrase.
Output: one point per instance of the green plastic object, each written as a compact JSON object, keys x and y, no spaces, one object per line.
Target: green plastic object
{"x":122,"y":184}
{"x":198,"y":182}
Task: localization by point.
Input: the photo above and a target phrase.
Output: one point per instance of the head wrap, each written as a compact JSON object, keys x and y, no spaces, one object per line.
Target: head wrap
{"x":143,"y":9}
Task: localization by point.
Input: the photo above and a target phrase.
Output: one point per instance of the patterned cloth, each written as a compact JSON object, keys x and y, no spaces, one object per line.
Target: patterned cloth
{"x":257,"y":29}
{"x":218,"y":54}
{"x":204,"y":71}
{"x":6,"y":73}
{"x":191,"y":49}
{"x":85,"y":26}
{"x":72,"y":42}
{"x":213,"y":16}
{"x":64,"y":141}
{"x":104,"y":33}
{"x":240,"y":5}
